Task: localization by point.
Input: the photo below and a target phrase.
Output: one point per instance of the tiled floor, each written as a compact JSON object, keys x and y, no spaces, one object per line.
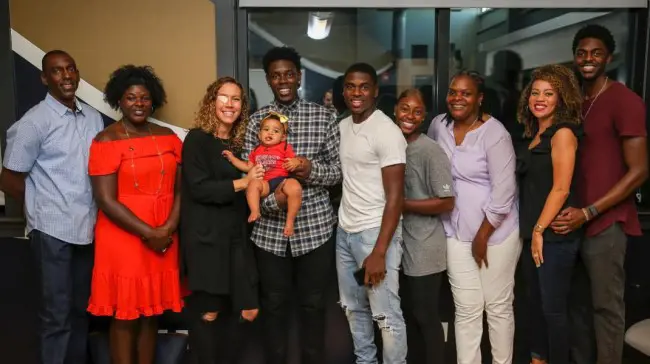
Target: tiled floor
{"x":18,"y":323}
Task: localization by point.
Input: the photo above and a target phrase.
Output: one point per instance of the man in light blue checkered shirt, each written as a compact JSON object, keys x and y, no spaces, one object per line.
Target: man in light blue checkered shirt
{"x":46,"y":166}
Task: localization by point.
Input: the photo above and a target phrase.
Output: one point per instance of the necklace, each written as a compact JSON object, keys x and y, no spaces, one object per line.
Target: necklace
{"x":472,"y":125}
{"x":584,"y":117}
{"x":456,"y":141}
{"x":162,"y":165}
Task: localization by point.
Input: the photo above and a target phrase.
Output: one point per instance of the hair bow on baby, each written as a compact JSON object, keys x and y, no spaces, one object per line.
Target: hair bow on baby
{"x":283,"y":118}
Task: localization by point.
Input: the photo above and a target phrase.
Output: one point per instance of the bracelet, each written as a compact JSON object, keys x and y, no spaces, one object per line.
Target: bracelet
{"x":587,"y":215}
{"x":538,"y":228}
{"x":592,"y":211}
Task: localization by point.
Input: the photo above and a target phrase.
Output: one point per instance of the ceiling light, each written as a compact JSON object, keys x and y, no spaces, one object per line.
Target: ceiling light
{"x":319,"y":25}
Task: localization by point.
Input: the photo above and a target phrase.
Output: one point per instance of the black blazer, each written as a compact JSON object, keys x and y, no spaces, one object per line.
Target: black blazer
{"x":216,"y":254}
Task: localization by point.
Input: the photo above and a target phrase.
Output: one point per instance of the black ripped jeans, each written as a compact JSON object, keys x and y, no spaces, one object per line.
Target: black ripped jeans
{"x":312,"y":274}
{"x":424,"y":333}
{"x":222,"y":340}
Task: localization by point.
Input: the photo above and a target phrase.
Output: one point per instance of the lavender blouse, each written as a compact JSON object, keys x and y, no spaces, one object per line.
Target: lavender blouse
{"x":483,"y":171}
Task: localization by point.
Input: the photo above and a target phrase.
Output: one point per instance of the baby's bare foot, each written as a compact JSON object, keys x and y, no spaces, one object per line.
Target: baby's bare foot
{"x":254,"y":216}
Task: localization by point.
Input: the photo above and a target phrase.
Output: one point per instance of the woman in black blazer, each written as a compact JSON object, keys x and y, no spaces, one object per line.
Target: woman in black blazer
{"x":216,"y":257}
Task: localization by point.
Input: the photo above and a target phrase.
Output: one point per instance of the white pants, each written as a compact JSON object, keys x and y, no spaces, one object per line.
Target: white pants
{"x":477,"y":289}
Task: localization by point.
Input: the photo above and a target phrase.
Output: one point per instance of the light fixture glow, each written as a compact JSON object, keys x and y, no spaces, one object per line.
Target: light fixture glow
{"x":319,"y":25}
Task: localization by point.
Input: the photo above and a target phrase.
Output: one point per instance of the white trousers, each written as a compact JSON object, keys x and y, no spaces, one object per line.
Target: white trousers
{"x":490,"y":289}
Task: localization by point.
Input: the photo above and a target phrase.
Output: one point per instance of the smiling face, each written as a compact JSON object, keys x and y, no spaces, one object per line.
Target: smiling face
{"x":228,"y":103}
{"x":61,"y":77}
{"x":284,"y":80}
{"x":272,"y":132}
{"x":463,"y":98}
{"x":543,"y":100}
{"x":409,"y":113}
{"x":359,"y":92}
{"x":136,"y":104}
{"x":591,"y":58}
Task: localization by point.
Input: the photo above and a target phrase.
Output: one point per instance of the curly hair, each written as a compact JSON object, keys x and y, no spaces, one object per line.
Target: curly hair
{"x":598,"y":32}
{"x":281,"y":54}
{"x":206,"y":118}
{"x":569,"y":106}
{"x":129,"y":75}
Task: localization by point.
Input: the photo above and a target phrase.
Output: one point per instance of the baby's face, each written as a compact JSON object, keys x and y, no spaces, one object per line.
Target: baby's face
{"x":271,"y":133}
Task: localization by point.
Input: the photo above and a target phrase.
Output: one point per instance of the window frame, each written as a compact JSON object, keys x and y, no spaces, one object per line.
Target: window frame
{"x":231,"y":22}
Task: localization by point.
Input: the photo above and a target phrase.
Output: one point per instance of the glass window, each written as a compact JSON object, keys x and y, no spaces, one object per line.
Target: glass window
{"x":506,"y":45}
{"x":398,"y":43}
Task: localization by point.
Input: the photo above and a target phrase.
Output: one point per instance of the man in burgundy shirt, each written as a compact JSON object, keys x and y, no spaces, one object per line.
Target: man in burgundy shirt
{"x":612,"y":165}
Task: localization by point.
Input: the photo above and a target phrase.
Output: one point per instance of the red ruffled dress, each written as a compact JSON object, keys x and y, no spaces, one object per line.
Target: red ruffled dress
{"x":129,"y":279}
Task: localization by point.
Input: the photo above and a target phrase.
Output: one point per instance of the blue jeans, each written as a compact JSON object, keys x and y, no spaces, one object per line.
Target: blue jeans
{"x":381,"y":303}
{"x":64,"y":274}
{"x":548,"y":297}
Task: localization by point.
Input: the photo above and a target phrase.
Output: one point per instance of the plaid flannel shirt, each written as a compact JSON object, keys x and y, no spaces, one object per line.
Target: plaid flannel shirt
{"x":314,"y":134}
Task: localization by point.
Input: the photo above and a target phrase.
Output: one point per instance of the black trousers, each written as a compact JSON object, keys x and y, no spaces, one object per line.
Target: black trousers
{"x":312,"y":274}
{"x":420,"y":304}
{"x":221,"y":341}
{"x":64,"y":273}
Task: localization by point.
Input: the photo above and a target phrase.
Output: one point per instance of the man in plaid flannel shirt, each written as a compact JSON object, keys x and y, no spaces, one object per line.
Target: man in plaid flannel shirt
{"x":308,"y":255}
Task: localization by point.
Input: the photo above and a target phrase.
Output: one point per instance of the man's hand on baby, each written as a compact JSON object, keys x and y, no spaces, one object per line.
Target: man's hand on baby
{"x":291,"y":164}
{"x":299,"y":166}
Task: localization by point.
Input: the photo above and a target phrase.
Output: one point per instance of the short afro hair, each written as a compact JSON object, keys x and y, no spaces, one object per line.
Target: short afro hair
{"x":281,"y":54}
{"x":363,"y":68}
{"x":126,"y":76}
{"x":598,"y":32}
{"x":55,"y":52}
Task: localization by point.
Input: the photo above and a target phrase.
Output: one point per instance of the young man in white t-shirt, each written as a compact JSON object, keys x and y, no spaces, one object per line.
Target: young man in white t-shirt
{"x":369,"y":236}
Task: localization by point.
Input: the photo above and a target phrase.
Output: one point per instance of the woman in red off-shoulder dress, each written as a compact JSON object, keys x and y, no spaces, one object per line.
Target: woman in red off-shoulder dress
{"x":134,"y":167}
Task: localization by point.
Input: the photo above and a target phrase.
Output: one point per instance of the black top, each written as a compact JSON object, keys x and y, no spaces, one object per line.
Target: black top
{"x":216,"y":254}
{"x":535,"y":174}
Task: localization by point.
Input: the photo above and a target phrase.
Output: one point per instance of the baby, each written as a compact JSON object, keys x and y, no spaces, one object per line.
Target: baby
{"x":278,"y":159}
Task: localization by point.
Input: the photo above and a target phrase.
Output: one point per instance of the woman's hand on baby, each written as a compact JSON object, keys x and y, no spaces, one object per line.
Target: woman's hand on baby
{"x":257,"y":172}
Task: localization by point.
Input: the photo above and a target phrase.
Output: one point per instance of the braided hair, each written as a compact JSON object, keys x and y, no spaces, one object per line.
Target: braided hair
{"x":479,"y":81}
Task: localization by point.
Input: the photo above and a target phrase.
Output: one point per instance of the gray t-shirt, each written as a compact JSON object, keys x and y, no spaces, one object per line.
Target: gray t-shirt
{"x":428,"y":175}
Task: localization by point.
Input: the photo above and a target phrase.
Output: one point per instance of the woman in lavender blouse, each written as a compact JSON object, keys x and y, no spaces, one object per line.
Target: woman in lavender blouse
{"x":483,"y":244}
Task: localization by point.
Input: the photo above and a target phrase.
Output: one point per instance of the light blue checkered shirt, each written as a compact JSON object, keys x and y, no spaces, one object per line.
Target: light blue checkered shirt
{"x":51,"y":143}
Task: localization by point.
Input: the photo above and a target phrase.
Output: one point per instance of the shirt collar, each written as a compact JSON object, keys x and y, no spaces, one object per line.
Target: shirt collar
{"x":59,"y":107}
{"x":293,"y":106}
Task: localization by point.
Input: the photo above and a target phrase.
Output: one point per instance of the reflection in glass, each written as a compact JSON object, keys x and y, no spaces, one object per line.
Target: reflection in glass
{"x":398,"y":43}
{"x":506,"y":45}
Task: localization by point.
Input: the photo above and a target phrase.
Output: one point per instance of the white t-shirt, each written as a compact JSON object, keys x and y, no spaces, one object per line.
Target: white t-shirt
{"x":365,"y":149}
